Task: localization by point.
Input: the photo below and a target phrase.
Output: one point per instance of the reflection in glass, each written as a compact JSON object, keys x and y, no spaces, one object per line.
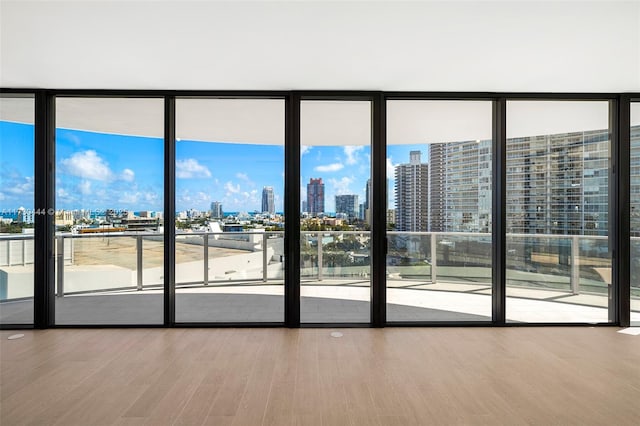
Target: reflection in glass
{"x":558,"y":260}
{"x":335,"y":214}
{"x":109,"y":211}
{"x":635,"y":213}
{"x":439,"y":233}
{"x":17,"y":212}
{"x":229,"y":202}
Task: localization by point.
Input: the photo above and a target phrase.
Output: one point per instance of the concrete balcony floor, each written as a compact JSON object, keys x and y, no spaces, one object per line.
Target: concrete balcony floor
{"x":327,"y":301}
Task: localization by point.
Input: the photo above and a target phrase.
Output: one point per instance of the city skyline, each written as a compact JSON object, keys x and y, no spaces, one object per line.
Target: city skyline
{"x":99,"y":171}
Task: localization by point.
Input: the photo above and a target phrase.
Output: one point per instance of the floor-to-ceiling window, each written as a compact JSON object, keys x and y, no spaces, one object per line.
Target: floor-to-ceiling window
{"x":335,"y":211}
{"x":557,"y":219}
{"x":439,"y":169}
{"x":17,"y":213}
{"x":635,"y":213}
{"x":230,"y":222}
{"x":109,"y":210}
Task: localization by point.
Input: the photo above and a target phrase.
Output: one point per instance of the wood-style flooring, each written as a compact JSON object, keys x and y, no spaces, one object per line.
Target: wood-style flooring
{"x":391,"y":376}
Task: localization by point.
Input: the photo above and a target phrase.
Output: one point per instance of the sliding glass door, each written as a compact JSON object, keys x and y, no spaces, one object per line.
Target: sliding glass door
{"x":17,"y":213}
{"x":335,"y":211}
{"x":230,"y":223}
{"x":439,"y":170}
{"x":109,"y":247}
{"x":557,"y":219}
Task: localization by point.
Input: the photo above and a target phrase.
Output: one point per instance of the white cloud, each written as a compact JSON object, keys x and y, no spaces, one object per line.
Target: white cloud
{"x":245,"y":178}
{"x":304,"y":149}
{"x":351,"y":151}
{"x":2,"y":196}
{"x":84,"y":187}
{"x":127,"y":175}
{"x":87,"y":165}
{"x":231,"y":188}
{"x":329,"y":167}
{"x":128,"y":197}
{"x":190,"y":168}
{"x":391,"y":169}
{"x":341,"y":186}
{"x":25,"y":187}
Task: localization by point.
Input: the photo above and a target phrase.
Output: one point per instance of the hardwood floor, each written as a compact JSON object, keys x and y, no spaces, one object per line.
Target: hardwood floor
{"x":392,"y":376}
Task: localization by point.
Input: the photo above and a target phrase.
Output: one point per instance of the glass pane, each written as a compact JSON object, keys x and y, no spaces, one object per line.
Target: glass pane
{"x":557,"y":219}
{"x":635,"y":213}
{"x":439,"y":231}
{"x":109,"y":210}
{"x":229,"y":202}
{"x":335,"y":191}
{"x":16,"y":209}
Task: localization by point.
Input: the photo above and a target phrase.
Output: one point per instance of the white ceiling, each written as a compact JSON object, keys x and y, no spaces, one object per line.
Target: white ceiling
{"x":376,"y":45}
{"x":240,"y":45}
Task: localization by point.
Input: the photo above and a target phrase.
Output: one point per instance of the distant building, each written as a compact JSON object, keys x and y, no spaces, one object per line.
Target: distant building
{"x":348,"y":205}
{"x":25,"y":216}
{"x":315,"y":197}
{"x":64,"y":218}
{"x":367,"y":203}
{"x":437,"y":181}
{"x":391,"y":216}
{"x":268,"y":203}
{"x":412,"y":189}
{"x":305,"y":208}
{"x":216,"y":210}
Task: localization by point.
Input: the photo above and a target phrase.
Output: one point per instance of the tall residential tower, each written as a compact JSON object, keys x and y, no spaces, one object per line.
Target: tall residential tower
{"x":412,"y":190}
{"x":315,"y":196}
{"x":268,"y":203}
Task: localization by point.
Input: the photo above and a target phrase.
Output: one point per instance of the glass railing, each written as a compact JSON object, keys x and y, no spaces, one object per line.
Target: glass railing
{"x":334,"y":255}
{"x":226,"y":258}
{"x":109,"y":262}
{"x":16,"y":266}
{"x":460,"y":257}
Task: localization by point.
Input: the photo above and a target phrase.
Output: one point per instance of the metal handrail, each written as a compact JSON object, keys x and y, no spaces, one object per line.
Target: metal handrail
{"x":574,"y":276}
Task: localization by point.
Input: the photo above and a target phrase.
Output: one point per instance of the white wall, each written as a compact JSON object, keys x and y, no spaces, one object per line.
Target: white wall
{"x":419,"y":45}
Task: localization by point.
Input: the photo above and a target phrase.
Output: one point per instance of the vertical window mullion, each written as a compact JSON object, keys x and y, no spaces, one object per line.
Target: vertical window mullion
{"x":499,"y":140}
{"x":292,"y":211}
{"x":169,"y":210}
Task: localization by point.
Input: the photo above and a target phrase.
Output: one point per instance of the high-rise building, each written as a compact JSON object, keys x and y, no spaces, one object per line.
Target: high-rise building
{"x":348,"y":205}
{"x":436,"y":186}
{"x":460,"y":189}
{"x":412,"y":191}
{"x":268,"y":203}
{"x":558,"y":184}
{"x":216,"y":210}
{"x":315,"y":196}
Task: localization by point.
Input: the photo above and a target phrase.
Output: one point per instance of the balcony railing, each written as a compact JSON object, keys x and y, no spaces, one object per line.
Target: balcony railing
{"x":134,"y":261}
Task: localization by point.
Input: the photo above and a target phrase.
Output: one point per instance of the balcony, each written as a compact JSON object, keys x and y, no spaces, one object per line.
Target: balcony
{"x":239,"y":277}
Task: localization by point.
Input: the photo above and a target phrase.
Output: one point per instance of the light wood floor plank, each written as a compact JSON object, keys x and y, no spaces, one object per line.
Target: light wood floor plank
{"x":402,"y":376}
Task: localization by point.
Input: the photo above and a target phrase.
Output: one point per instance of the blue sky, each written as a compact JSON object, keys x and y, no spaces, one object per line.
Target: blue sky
{"x":100,"y":171}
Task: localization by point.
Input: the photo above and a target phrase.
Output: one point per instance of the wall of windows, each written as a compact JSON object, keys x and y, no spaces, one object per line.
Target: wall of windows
{"x":397,"y":215}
